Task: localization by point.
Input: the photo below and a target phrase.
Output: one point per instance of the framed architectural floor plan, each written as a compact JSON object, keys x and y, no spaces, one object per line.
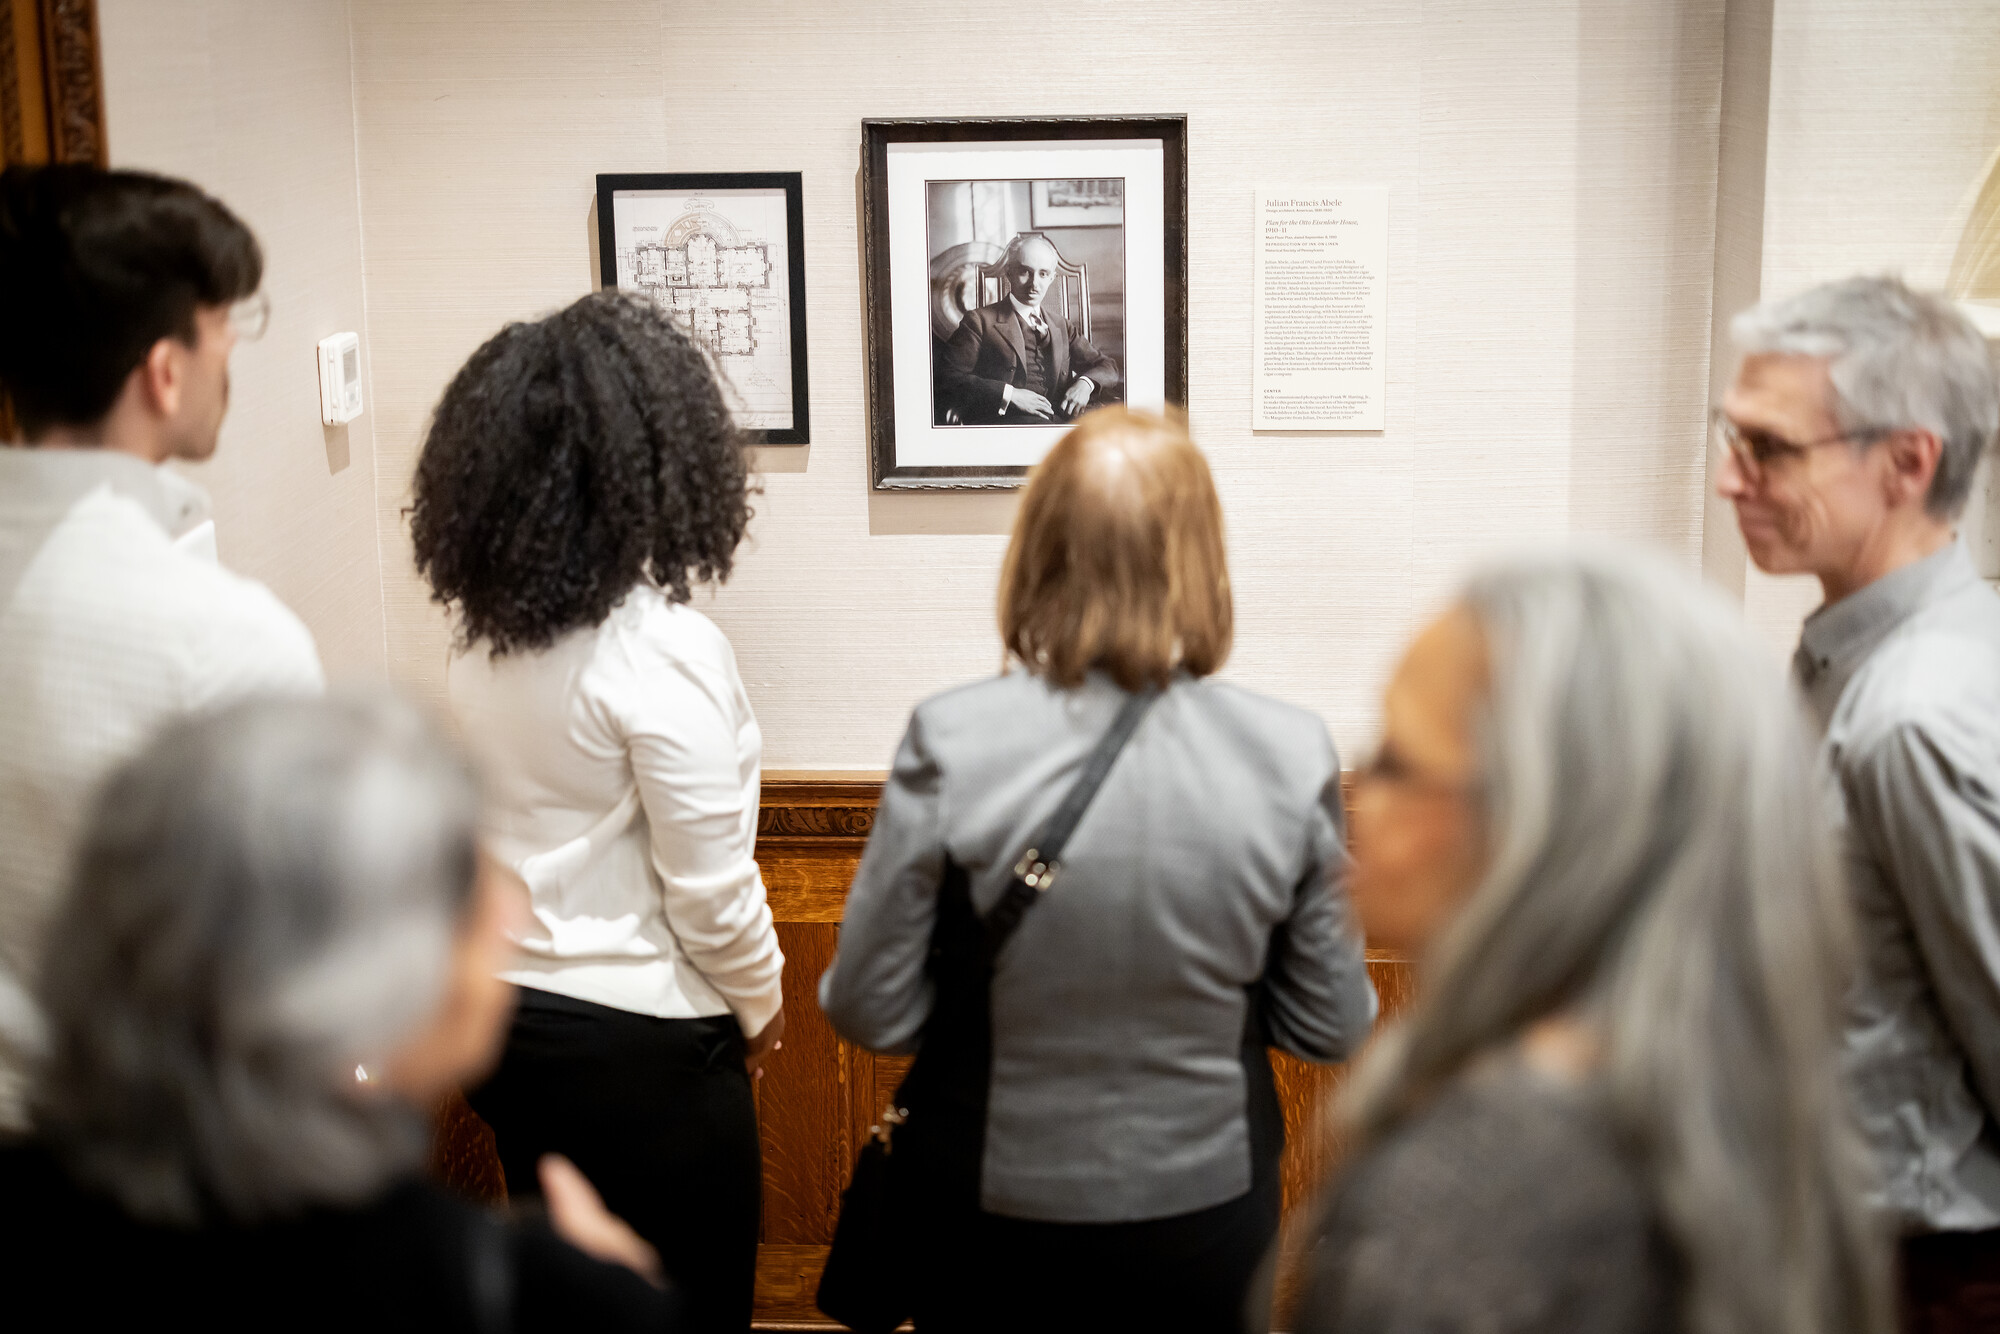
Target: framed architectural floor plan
{"x":1019,"y":273}
{"x":725,"y":253}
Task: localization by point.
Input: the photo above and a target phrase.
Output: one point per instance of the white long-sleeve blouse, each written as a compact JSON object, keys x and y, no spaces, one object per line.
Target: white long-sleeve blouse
{"x":622,"y":765}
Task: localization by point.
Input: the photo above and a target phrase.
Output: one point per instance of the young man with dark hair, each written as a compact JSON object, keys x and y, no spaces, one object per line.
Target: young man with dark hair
{"x":124,"y":294}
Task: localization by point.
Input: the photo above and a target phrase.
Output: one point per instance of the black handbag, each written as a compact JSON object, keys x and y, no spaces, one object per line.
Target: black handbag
{"x":915,"y":1187}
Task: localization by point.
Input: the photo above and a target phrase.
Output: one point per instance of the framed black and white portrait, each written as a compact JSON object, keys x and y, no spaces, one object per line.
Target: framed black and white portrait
{"x":724,"y":253}
{"x":1019,"y":273}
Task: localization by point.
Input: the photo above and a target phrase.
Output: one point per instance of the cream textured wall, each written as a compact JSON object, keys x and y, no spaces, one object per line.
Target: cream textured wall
{"x":254,"y":101}
{"x":1555,"y":243}
{"x":1551,"y":167}
{"x":1739,"y":249}
{"x":1882,"y":118}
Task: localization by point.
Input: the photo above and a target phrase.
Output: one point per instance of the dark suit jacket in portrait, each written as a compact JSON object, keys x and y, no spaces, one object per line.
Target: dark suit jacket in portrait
{"x":989,"y":350}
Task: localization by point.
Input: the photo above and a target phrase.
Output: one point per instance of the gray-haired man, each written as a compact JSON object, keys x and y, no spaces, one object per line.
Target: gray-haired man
{"x":1858,"y":415}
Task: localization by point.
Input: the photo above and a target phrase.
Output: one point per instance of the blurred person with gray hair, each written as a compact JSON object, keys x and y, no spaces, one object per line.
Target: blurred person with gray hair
{"x":1614,"y":1106}
{"x":278,"y":948}
{"x":1858,"y":416}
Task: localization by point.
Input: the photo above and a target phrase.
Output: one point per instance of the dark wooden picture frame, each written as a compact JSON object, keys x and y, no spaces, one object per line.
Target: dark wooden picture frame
{"x":51,"y":97}
{"x":877,"y":135}
{"x":792,"y":183}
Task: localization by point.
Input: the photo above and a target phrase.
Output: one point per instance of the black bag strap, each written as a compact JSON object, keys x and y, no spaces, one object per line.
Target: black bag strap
{"x":1036,"y":870}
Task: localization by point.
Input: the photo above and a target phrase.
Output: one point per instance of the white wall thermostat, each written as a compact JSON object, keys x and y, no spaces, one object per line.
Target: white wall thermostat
{"x":339,"y":378}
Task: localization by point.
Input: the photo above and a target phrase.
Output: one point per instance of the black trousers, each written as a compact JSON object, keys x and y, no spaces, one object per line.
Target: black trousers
{"x":1949,"y":1283}
{"x":659,"y":1115}
{"x":1191,"y":1273}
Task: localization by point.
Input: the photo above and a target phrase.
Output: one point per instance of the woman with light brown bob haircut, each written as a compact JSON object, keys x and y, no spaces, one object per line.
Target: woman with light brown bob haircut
{"x":1127,"y":1162}
{"x":1118,"y":560}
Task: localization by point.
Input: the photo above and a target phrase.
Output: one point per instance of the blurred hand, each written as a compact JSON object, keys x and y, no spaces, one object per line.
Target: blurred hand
{"x":757,"y":1049}
{"x":578,"y":1216}
{"x":1078,"y":397}
{"x":1030,"y":403}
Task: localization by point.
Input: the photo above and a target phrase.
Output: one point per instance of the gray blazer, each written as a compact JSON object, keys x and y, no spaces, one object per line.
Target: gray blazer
{"x":1210,"y":861}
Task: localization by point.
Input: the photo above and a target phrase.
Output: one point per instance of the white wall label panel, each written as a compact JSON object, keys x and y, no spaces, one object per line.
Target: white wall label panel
{"x":1318,"y":340}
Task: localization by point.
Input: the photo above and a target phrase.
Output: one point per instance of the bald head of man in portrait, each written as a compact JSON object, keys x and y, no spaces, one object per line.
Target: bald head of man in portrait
{"x":1017,"y":362}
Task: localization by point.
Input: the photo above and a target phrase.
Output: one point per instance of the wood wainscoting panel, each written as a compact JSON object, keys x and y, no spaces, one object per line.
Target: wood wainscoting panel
{"x":1313,"y":1143}
{"x":813,"y":1102}
{"x":787,"y":1278}
{"x":802,"y":1101}
{"x":462,"y":1152}
{"x":1306,"y":1092}
{"x":819,"y":1094}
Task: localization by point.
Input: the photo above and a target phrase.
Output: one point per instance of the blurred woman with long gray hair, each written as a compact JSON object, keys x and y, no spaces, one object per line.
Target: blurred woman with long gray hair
{"x":278,"y":948}
{"x":1614,"y":1106}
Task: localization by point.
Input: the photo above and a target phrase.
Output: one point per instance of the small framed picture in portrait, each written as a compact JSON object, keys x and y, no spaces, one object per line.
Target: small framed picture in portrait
{"x":724,"y":253}
{"x":1019,"y":273}
{"x":1097,"y":201}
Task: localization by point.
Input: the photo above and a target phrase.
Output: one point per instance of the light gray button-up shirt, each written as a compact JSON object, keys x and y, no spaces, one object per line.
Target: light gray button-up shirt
{"x":1904,"y":676}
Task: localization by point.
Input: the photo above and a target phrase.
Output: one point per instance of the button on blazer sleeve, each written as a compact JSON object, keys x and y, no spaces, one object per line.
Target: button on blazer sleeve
{"x":1319,"y":1003}
{"x":876,"y":992}
{"x":681,"y":736}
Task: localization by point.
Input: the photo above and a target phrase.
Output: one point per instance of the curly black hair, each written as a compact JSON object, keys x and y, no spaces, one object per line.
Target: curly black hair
{"x":570,"y":460}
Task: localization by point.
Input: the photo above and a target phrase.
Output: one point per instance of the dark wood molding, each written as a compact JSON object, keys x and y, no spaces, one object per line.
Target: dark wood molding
{"x":51,"y":95}
{"x":20,"y":84}
{"x":75,"y":81}
{"x":817,"y":810}
{"x":51,"y":82}
{"x":798,"y":806}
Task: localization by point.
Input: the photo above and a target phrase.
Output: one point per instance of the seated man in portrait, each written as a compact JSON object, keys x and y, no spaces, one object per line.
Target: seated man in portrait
{"x":1014,"y":364}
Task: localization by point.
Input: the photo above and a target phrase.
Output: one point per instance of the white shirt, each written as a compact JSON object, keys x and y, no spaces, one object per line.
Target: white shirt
{"x":112,"y":622}
{"x":1029,"y":315}
{"x":622,"y":766}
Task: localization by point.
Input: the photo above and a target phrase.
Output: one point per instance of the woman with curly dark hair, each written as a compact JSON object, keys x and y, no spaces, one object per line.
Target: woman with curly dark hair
{"x":580,"y":475}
